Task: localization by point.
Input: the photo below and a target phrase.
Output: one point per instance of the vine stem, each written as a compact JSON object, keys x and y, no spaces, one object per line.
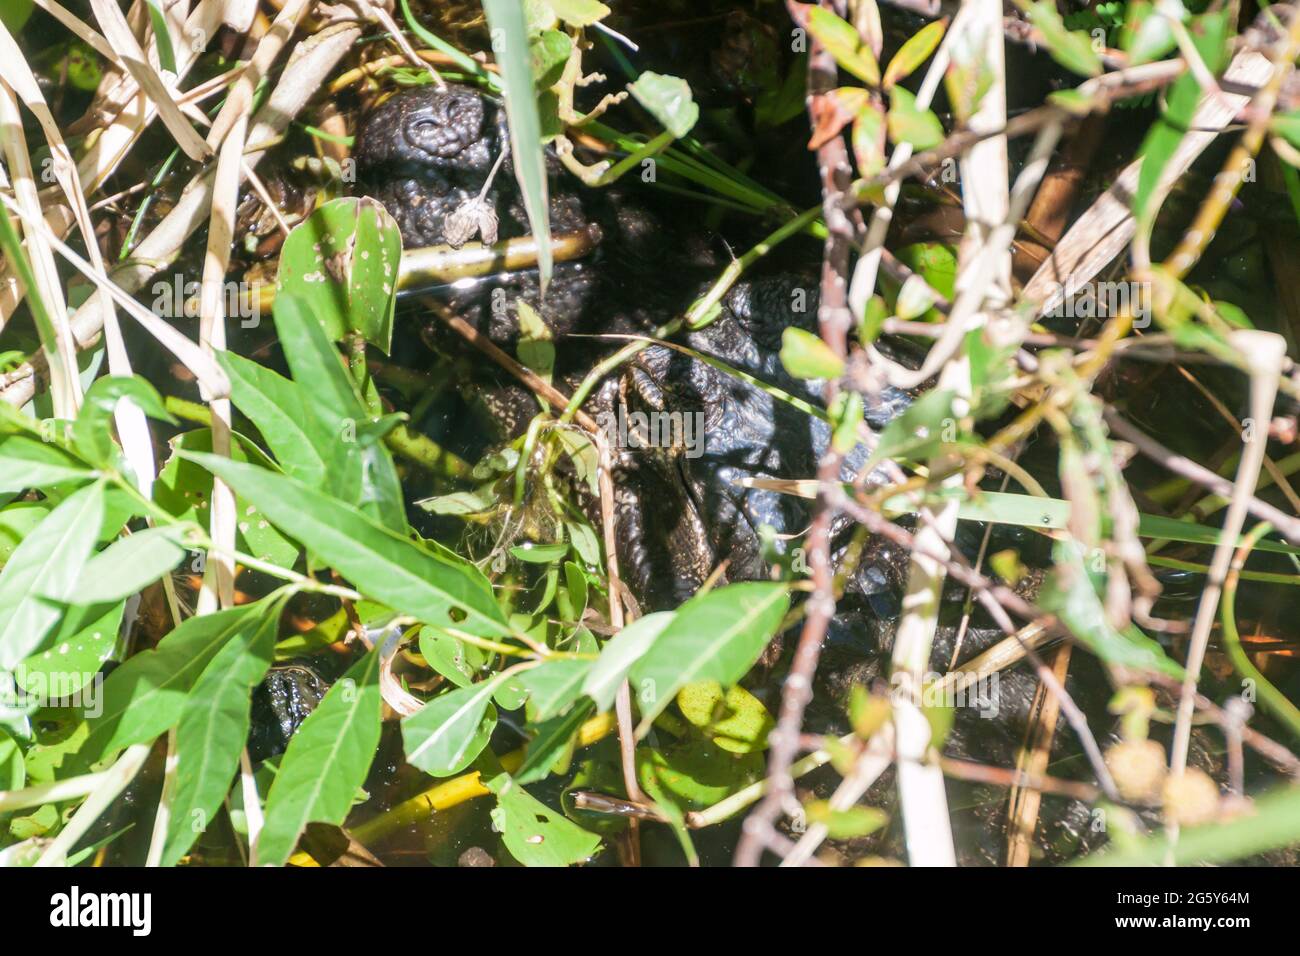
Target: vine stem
{"x":1264,"y":353}
{"x":834,"y":320}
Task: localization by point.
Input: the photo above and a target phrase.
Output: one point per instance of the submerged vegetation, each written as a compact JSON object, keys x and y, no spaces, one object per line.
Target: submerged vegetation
{"x":557,"y":433}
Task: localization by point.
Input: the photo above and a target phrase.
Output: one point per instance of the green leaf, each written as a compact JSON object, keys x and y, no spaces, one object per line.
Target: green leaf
{"x":553,"y":686}
{"x":868,"y":139}
{"x":540,"y":553}
{"x":694,"y":773}
{"x":552,"y":742}
{"x":213,"y":727}
{"x":846,"y":824}
{"x":715,"y":636}
{"x":282,"y":411}
{"x":535,"y":834}
{"x":314,"y":361}
{"x":908,"y":123}
{"x":619,"y":656}
{"x":450,"y":657}
{"x":445,"y":735}
{"x":916,"y":432}
{"x":1070,"y":48}
{"x":735,"y":720}
{"x":131,"y":564}
{"x":579,"y":13}
{"x":166,"y":55}
{"x":385,"y":566}
{"x":14,"y":14}
{"x":1071,"y":595}
{"x":13,"y":772}
{"x":804,"y":355}
{"x":326,"y":762}
{"x":26,"y":463}
{"x":915,"y":50}
{"x":550,"y":51}
{"x":342,"y":263}
{"x":668,"y":99}
{"x":510,"y":46}
{"x":1147,"y":36}
{"x":44,"y":570}
{"x":1210,"y":40}
{"x":144,"y":697}
{"x":184,"y":490}
{"x":84,"y":639}
{"x":841,"y":41}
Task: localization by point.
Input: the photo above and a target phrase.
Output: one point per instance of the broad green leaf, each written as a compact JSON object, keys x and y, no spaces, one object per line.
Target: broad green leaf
{"x":451,"y":657}
{"x":908,"y":123}
{"x":668,"y":99}
{"x":44,"y":570}
{"x":715,"y":636}
{"x":26,"y":463}
{"x":919,"y":430}
{"x":1070,"y":48}
{"x":804,"y":355}
{"x":326,"y":762}
{"x":915,"y":50}
{"x":314,"y":361}
{"x":359,"y":467}
{"x":213,"y":727}
{"x":510,"y":47}
{"x":384,"y":565}
{"x":846,"y":824}
{"x":1071,"y":594}
{"x":842,"y":41}
{"x":14,"y":14}
{"x":868,"y":139}
{"x":550,"y":51}
{"x":553,"y":686}
{"x":735,"y":720}
{"x":579,"y":13}
{"x":554,"y":739}
{"x":342,"y":263}
{"x":131,"y":564}
{"x":144,"y":697}
{"x":184,"y":490}
{"x":282,"y":412}
{"x":695,"y":773}
{"x":619,"y":656}
{"x":445,"y":735}
{"x":84,"y":639}
{"x":535,"y":834}
{"x":13,"y":772}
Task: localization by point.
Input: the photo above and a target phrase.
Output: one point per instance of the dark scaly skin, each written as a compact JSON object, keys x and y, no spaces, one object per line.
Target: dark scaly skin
{"x":680,"y":516}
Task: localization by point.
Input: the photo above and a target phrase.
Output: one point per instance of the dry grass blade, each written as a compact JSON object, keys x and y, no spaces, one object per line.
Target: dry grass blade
{"x":311,"y":61}
{"x":133,"y":428}
{"x":118,"y":33}
{"x":57,"y":342}
{"x":1106,"y":229}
